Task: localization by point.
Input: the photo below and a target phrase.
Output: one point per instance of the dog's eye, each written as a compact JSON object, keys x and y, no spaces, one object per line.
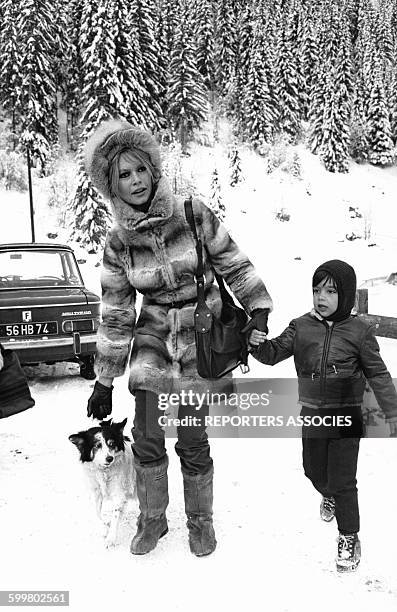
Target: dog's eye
{"x":98,"y":445}
{"x":110,"y":443}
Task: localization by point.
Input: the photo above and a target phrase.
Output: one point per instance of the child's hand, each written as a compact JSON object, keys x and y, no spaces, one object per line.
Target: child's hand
{"x":257,"y":337}
{"x":393,"y":430}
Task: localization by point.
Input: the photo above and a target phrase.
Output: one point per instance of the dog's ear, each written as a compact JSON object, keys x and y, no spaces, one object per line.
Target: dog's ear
{"x":77,"y":440}
{"x":121,"y":425}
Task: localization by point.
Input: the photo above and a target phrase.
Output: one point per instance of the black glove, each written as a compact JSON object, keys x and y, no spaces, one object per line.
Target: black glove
{"x":258,"y":321}
{"x":100,"y":403}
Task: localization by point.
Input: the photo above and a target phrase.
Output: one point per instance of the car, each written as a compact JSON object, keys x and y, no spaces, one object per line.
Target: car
{"x":46,"y":313}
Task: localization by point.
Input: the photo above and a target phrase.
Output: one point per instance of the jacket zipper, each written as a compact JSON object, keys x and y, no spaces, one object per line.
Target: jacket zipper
{"x":324,"y":359}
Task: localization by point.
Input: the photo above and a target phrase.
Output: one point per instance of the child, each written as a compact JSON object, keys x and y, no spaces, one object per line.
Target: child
{"x":334,"y":351}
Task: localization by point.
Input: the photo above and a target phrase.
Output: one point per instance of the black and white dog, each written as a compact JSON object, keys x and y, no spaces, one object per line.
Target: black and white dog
{"x":109,"y":464}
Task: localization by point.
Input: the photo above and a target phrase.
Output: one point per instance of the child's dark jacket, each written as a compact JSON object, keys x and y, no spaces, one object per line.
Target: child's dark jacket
{"x":332,"y":362}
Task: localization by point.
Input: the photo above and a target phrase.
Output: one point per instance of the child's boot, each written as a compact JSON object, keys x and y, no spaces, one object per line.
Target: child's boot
{"x":349,"y":552}
{"x":327,"y":509}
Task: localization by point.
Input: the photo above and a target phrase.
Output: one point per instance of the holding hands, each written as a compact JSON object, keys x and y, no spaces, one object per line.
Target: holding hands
{"x":257,"y":337}
{"x":257,"y":326}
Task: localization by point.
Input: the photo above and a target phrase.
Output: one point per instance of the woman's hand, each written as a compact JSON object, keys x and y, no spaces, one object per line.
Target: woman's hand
{"x":257,"y":337}
{"x":258,"y":321}
{"x":100,"y":403}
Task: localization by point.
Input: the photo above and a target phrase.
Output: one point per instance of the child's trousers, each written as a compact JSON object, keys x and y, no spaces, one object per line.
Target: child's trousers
{"x":331,"y":465}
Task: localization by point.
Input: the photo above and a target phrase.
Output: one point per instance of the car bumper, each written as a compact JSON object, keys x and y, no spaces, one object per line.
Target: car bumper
{"x":52,"y":349}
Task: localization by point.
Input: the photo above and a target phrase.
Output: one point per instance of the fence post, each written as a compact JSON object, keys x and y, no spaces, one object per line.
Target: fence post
{"x":362,"y":301}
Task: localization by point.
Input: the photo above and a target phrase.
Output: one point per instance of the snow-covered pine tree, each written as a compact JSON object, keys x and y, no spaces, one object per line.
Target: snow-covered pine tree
{"x":101,"y":99}
{"x":297,"y":34}
{"x":235,"y":166}
{"x":335,"y":141}
{"x":358,"y":130}
{"x":89,"y":212}
{"x":163,"y":57}
{"x":352,"y":12}
{"x":143,"y":14}
{"x":35,"y":23}
{"x":393,"y":23}
{"x":336,"y":124}
{"x":186,"y":96}
{"x":308,"y":56}
{"x":259,"y":100}
{"x":216,"y":200}
{"x":365,"y":50}
{"x":61,"y":44}
{"x":225,"y":45}
{"x":234,"y":102}
{"x":328,"y":40}
{"x":10,"y":92}
{"x":205,"y":42}
{"x":137,"y":107}
{"x":287,"y":75}
{"x":379,"y":130}
{"x":244,"y":38}
{"x":316,"y":101}
{"x":170,"y":11}
{"x":344,"y":62}
{"x":383,"y":33}
{"x":101,"y":95}
{"x":393,"y":107}
{"x":387,"y":46}
{"x":73,"y":84}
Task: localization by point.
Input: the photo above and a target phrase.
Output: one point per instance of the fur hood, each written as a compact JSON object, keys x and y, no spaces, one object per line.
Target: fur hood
{"x":109,"y":137}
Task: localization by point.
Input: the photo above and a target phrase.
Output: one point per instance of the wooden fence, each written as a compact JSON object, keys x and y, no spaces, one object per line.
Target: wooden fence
{"x":385,"y":326}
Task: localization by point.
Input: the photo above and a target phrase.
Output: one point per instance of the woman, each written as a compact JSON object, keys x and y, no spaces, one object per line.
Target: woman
{"x":150,"y":249}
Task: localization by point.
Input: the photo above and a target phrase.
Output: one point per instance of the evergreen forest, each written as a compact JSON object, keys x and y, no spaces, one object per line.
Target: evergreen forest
{"x":319,"y":71}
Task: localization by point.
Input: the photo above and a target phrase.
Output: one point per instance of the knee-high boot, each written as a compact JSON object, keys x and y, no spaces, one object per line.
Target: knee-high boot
{"x":152,"y":490}
{"x":198,"y":492}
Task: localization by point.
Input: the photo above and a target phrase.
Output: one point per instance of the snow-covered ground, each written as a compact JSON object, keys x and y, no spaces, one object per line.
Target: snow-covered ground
{"x":273,"y":551}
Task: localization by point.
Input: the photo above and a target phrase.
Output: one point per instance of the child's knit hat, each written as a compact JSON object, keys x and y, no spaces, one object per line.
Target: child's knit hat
{"x":345,"y":280}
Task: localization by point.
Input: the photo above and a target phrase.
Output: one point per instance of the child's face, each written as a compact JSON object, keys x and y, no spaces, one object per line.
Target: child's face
{"x":325,"y":298}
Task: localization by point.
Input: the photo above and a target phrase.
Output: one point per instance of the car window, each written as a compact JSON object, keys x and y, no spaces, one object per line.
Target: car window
{"x":32,"y":269}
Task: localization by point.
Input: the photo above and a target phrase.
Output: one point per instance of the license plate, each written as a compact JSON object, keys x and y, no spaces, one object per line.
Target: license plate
{"x":44,"y":328}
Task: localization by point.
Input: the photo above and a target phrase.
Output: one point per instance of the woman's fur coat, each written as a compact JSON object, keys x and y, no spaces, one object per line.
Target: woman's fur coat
{"x":154,"y":253}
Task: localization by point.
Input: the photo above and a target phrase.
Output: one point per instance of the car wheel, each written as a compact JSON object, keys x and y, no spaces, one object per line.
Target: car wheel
{"x":87,"y":368}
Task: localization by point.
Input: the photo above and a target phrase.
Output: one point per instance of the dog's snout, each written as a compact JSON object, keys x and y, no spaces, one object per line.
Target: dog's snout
{"x":109,"y":459}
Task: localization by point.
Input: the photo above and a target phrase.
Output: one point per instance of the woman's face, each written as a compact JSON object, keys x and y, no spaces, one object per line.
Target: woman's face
{"x":135,"y":180}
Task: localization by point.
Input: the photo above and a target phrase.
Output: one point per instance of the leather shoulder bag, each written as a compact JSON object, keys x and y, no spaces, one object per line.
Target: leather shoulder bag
{"x":220,"y":344}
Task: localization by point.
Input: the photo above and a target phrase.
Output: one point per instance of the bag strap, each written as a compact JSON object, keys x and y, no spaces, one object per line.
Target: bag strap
{"x":226,"y":297}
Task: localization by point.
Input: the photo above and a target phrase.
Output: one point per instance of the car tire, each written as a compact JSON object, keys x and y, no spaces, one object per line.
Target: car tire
{"x":87,"y":368}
